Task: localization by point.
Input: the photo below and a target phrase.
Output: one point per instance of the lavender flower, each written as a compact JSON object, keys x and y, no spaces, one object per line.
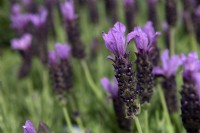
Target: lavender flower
{"x":129,"y":7}
{"x":196,"y":20}
{"x":68,"y":11}
{"x":168,"y":71}
{"x":29,"y":127}
{"x":170,"y":65}
{"x":190,"y":102}
{"x":171,"y":12}
{"x":145,"y":40}
{"x":60,"y":69}
{"x":152,"y":11}
{"x":116,"y":43}
{"x":111,"y":9}
{"x":118,"y":105}
{"x":16,"y":9}
{"x":22,"y":43}
{"x":72,"y":28}
{"x":166,"y":30}
{"x":93,"y":10}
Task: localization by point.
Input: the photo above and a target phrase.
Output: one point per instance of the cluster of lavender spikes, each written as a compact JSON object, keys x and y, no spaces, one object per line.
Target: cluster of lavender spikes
{"x":132,"y":84}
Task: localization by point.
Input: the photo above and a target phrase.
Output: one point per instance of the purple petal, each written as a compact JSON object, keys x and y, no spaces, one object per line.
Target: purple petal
{"x":29,"y":127}
{"x":52,"y":57}
{"x":197,"y":82}
{"x":63,"y":51}
{"x":120,"y":27}
{"x":22,"y":43}
{"x":106,"y":84}
{"x":68,"y":11}
{"x":158,"y":71}
{"x":164,"y":59}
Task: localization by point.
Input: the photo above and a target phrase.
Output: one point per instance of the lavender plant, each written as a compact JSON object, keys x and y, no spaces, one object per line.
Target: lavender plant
{"x":29,"y":127}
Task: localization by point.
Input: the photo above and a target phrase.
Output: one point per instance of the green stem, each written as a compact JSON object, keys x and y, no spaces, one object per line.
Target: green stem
{"x":166,"y":113}
{"x":146,"y":121}
{"x":137,"y":122}
{"x":89,"y":79}
{"x":172,"y":40}
{"x":67,"y":118}
{"x":193,"y":42}
{"x":80,"y":124}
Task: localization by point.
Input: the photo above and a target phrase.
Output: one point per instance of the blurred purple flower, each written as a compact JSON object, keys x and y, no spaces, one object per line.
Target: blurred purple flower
{"x":144,"y":37}
{"x":68,"y":10}
{"x":29,"y":127}
{"x":128,"y":2}
{"x":152,"y":1}
{"x":39,"y":19}
{"x":110,"y":88}
{"x":115,"y":40}
{"x":197,"y":11}
{"x":27,"y":2}
{"x":19,"y":21}
{"x":16,"y":9}
{"x":63,"y":51}
{"x":22,"y":43}
{"x":191,"y":65}
{"x":170,"y":65}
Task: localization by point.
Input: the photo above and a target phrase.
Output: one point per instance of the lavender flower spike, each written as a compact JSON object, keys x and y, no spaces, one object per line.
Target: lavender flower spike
{"x":118,"y":105}
{"x":116,"y":43}
{"x":170,"y":65}
{"x":68,"y":11}
{"x":190,"y":102}
{"x":22,"y":43}
{"x":29,"y":127}
{"x":168,"y":71}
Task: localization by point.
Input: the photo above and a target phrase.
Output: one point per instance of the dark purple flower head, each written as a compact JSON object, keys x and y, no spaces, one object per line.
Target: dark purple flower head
{"x":29,"y":127}
{"x":170,"y":65}
{"x":63,"y":51}
{"x":22,"y":43}
{"x":110,"y":88}
{"x":115,"y":40}
{"x":39,"y":20}
{"x":128,"y":2}
{"x":52,"y":57}
{"x":27,"y":2}
{"x":144,"y":37}
{"x":68,"y":10}
{"x":152,"y":1}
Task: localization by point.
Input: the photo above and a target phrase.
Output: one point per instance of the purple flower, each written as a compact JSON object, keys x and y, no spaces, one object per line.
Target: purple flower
{"x":63,"y":51}
{"x":68,"y":11}
{"x":152,"y":1}
{"x":16,"y":9}
{"x":197,"y":82}
{"x":144,"y":37}
{"x":22,"y":43}
{"x":19,"y":21}
{"x":39,"y":19}
{"x":27,"y":2}
{"x":197,"y":11}
{"x":110,"y":88}
{"x":191,"y":65}
{"x":29,"y":127}
{"x":170,"y":65}
{"x":115,"y":40}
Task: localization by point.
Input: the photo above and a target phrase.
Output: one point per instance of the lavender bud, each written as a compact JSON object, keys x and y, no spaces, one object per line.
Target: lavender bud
{"x":171,"y":12}
{"x":145,"y":39}
{"x":116,"y":43}
{"x":190,"y":102}
{"x":93,"y":11}
{"x":152,"y":16}
{"x":111,"y":9}
{"x":73,"y":32}
{"x":129,"y":6}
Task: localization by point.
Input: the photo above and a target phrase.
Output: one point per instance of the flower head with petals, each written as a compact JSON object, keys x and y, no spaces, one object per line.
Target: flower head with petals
{"x":68,"y":10}
{"x":170,"y":65}
{"x":144,"y":37}
{"x":29,"y":127}
{"x":22,"y":43}
{"x":110,"y":88}
{"x":63,"y":51}
{"x":115,"y":40}
{"x":52,"y":57}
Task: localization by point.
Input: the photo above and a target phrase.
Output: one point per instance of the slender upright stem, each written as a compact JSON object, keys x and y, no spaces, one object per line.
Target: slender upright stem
{"x":67,"y":118}
{"x":89,"y":79}
{"x":146,"y":121}
{"x":172,"y":40}
{"x":80,"y":124}
{"x":166,"y":113}
{"x":137,"y":122}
